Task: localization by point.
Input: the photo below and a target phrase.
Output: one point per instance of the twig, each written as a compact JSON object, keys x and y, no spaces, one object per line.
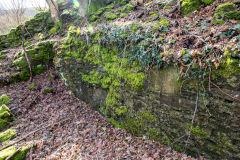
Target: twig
{"x":11,"y":156}
{"x":47,"y":126}
{"x":193,"y":118}
{"x":225,"y":92}
{"x":209,"y":79}
{"x":26,"y":56}
{"x":177,"y":140}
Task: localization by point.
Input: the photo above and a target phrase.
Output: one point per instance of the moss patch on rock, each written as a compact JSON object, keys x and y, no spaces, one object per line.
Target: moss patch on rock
{"x":226,"y":7}
{"x":188,"y":6}
{"x":8,"y":135}
{"x":4,"y":99}
{"x":21,"y":155}
{"x":5,"y":117}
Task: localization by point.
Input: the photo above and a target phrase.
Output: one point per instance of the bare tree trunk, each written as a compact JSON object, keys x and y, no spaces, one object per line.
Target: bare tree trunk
{"x":26,"y":56}
{"x":53,"y":6}
{"x":84,"y":4}
{"x":141,"y":2}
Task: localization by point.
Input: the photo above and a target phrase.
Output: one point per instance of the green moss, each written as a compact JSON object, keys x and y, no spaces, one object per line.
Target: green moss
{"x":32,"y":85}
{"x":47,"y":90}
{"x":3,"y":124}
{"x":188,"y":6}
{"x":3,"y":57}
{"x":93,"y":77}
{"x":15,"y":78}
{"x":67,"y":58}
{"x":222,"y":144}
{"x":121,"y":110}
{"x":21,"y":155}
{"x":56,"y":29}
{"x":230,"y":66}
{"x":7,"y":152}
{"x":93,"y":18}
{"x":128,"y":8}
{"x":4,"y":99}
{"x":3,"y":53}
{"x":111,"y":16}
{"x":136,"y":125}
{"x":8,"y":135}
{"x":24,"y":75}
{"x":38,"y":69}
{"x":154,"y":134}
{"x":197,"y":131}
{"x":4,"y":115}
{"x":164,"y":22}
{"x":114,"y":123}
{"x":123,"y":15}
{"x":4,"y":108}
{"x":208,"y":2}
{"x":132,"y":126}
{"x":151,"y":12}
{"x":226,"y":7}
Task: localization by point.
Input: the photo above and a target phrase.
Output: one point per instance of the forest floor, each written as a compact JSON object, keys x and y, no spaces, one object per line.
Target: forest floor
{"x":66,"y":128}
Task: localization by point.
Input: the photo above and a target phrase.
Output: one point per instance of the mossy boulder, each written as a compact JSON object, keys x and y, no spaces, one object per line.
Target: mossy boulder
{"x":188,"y":6}
{"x":226,"y":7}
{"x":5,"y":117}
{"x":8,"y":135}
{"x":47,"y":90}
{"x":21,"y":155}
{"x":41,"y":57}
{"x":228,"y":15}
{"x":111,"y":16}
{"x":4,"y":99}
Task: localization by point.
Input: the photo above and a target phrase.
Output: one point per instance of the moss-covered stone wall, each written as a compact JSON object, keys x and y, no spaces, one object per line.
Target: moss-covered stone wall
{"x":154,"y":102}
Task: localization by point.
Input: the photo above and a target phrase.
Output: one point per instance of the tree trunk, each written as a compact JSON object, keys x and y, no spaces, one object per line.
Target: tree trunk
{"x":84,"y":4}
{"x":53,"y":6}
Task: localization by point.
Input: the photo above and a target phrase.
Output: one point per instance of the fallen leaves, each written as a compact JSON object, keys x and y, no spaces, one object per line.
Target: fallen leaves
{"x":87,"y":136}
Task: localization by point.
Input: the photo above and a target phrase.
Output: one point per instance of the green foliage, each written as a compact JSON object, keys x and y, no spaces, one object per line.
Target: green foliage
{"x":226,"y":7}
{"x":47,"y":90}
{"x":4,"y":99}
